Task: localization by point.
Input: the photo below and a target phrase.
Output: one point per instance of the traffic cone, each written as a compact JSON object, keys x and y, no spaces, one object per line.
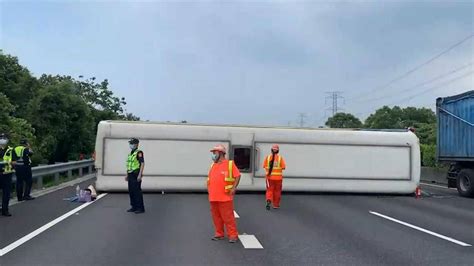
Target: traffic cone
{"x":418,"y":192}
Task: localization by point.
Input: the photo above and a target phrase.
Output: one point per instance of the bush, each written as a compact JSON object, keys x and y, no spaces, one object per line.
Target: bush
{"x":428,"y":155}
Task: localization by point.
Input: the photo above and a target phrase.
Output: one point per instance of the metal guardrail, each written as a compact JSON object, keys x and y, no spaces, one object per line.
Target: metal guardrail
{"x":60,"y":168}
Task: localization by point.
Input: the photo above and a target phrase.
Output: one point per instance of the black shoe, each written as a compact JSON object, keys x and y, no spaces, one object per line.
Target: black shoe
{"x":29,"y":198}
{"x":20,"y":200}
{"x":268,"y":205}
{"x":139,"y":211}
{"x":131,"y":210}
{"x":217,"y":238}
{"x":7,"y":214}
{"x":233,"y":240}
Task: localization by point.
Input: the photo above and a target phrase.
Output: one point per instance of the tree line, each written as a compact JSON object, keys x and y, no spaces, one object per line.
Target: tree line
{"x":422,"y":119}
{"x":57,"y":114}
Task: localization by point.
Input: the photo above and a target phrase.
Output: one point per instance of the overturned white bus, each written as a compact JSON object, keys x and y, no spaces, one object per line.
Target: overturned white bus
{"x":177,"y":157}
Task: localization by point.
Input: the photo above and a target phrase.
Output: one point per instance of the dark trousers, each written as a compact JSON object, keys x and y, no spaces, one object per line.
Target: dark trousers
{"x":23,"y":177}
{"x":6,"y":185}
{"x":135,"y":192}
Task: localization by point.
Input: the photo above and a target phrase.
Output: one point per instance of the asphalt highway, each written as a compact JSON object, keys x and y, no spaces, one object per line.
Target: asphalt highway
{"x":309,"y":229}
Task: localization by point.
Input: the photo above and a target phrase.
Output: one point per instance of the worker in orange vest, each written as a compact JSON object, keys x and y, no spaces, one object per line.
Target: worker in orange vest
{"x":274,"y":165}
{"x":222,"y":183}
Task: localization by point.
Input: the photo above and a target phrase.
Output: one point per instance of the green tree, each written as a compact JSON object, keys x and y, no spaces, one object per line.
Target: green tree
{"x":16,"y":128}
{"x":386,"y":118}
{"x":422,"y":119}
{"x":58,"y":114}
{"x":426,"y":133}
{"x":6,"y":109}
{"x":343,"y":120}
{"x":428,"y":155}
{"x":99,"y":95}
{"x":130,"y":117}
{"x":397,"y":117}
{"x":63,"y":122}
{"x":17,"y":84}
{"x":413,"y":115}
{"x":103,"y":103}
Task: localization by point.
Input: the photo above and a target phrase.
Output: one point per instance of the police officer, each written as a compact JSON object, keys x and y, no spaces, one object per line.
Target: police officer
{"x":135,"y":166}
{"x":23,"y":171}
{"x":8,"y":159}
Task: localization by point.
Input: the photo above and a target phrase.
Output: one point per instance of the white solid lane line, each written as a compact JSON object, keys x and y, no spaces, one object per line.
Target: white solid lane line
{"x":236,"y":215}
{"x":250,"y":242}
{"x":45,"y":227}
{"x":421,"y":229}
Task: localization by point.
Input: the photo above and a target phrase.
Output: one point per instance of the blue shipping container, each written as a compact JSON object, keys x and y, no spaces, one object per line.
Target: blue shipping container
{"x":456,"y":127}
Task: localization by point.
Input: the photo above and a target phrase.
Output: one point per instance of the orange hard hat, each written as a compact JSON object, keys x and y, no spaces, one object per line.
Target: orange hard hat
{"x":220,"y":148}
{"x":275,"y":147}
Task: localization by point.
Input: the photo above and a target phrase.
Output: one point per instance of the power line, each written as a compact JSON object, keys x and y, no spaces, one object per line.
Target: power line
{"x":335,"y":96}
{"x":415,"y":68}
{"x":435,"y":87}
{"x":426,"y":91}
{"x":422,"y":83}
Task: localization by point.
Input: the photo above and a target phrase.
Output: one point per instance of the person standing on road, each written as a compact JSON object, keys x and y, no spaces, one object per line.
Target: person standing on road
{"x":135,"y":166}
{"x":274,"y":165}
{"x":23,"y":171}
{"x":222,"y":182}
{"x":8,"y":160}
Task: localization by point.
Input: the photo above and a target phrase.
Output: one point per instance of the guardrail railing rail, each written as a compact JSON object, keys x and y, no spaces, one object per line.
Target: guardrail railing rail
{"x":39,"y":172}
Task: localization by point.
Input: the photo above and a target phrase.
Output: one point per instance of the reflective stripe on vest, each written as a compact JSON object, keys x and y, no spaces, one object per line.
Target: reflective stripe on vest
{"x":132,"y":162}
{"x":277,"y":169}
{"x":230,"y":180}
{"x":19,"y":150}
{"x":7,"y":160}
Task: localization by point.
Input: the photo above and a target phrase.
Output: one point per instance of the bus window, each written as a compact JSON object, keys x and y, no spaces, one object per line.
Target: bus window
{"x":242,"y":158}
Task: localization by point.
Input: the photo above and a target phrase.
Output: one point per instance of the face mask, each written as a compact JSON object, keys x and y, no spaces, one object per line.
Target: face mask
{"x":132,"y":146}
{"x":3,"y":141}
{"x":215,"y":157}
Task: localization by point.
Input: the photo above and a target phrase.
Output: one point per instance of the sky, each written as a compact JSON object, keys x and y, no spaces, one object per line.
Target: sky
{"x":249,"y":62}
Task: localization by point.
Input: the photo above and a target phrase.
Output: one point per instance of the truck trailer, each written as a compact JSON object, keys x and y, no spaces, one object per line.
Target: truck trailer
{"x":455,"y":140}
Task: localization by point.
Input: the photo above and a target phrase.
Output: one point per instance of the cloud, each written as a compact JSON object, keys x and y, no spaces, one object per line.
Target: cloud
{"x":241,"y":62}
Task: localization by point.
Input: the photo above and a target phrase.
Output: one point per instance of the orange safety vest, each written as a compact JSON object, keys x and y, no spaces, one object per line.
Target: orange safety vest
{"x":229,"y":180}
{"x":277,"y":169}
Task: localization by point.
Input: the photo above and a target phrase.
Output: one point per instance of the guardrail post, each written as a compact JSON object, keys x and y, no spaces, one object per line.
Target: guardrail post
{"x":81,"y":171}
{"x":69,"y":174}
{"x":89,"y":169}
{"x":56,"y":178}
{"x":39,"y":182}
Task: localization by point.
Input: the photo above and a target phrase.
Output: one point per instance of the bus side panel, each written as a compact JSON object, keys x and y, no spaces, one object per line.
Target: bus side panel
{"x":336,"y":161}
{"x":173,"y":159}
{"x":164,"y":157}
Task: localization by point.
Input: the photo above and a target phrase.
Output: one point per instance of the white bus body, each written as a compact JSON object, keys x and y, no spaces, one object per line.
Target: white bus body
{"x":177,"y":157}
